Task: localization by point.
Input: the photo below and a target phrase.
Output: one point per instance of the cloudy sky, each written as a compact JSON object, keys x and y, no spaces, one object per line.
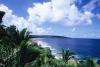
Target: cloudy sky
{"x":71,"y":18}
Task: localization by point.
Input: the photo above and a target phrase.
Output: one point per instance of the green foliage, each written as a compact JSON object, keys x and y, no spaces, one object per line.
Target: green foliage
{"x":66,"y":55}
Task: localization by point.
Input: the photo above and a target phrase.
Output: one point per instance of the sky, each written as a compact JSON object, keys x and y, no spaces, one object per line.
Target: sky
{"x":70,"y":18}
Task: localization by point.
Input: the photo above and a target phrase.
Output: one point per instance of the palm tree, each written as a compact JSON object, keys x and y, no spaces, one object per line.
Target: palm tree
{"x":45,"y":56}
{"x":66,"y":55}
{"x":21,"y":40}
{"x":11,"y":42}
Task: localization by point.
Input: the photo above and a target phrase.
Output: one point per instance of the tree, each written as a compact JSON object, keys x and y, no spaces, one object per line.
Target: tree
{"x":2,"y":30}
{"x":66,"y":55}
{"x":1,"y":16}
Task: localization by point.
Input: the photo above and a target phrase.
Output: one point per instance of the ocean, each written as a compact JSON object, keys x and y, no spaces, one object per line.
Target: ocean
{"x":82,"y":47}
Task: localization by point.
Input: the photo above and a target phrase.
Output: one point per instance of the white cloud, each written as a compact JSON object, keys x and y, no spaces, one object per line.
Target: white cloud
{"x":98,"y":15}
{"x":63,"y":12}
{"x":92,"y":35}
{"x":39,"y":13}
{"x":10,"y":19}
{"x":21,"y":22}
{"x":59,"y":11}
{"x":91,"y":5}
{"x":74,"y":29}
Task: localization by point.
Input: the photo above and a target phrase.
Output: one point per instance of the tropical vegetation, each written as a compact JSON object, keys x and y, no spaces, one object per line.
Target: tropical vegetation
{"x":18,"y":50}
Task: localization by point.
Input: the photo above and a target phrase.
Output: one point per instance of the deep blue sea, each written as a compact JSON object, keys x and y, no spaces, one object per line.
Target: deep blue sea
{"x":80,"y":46}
